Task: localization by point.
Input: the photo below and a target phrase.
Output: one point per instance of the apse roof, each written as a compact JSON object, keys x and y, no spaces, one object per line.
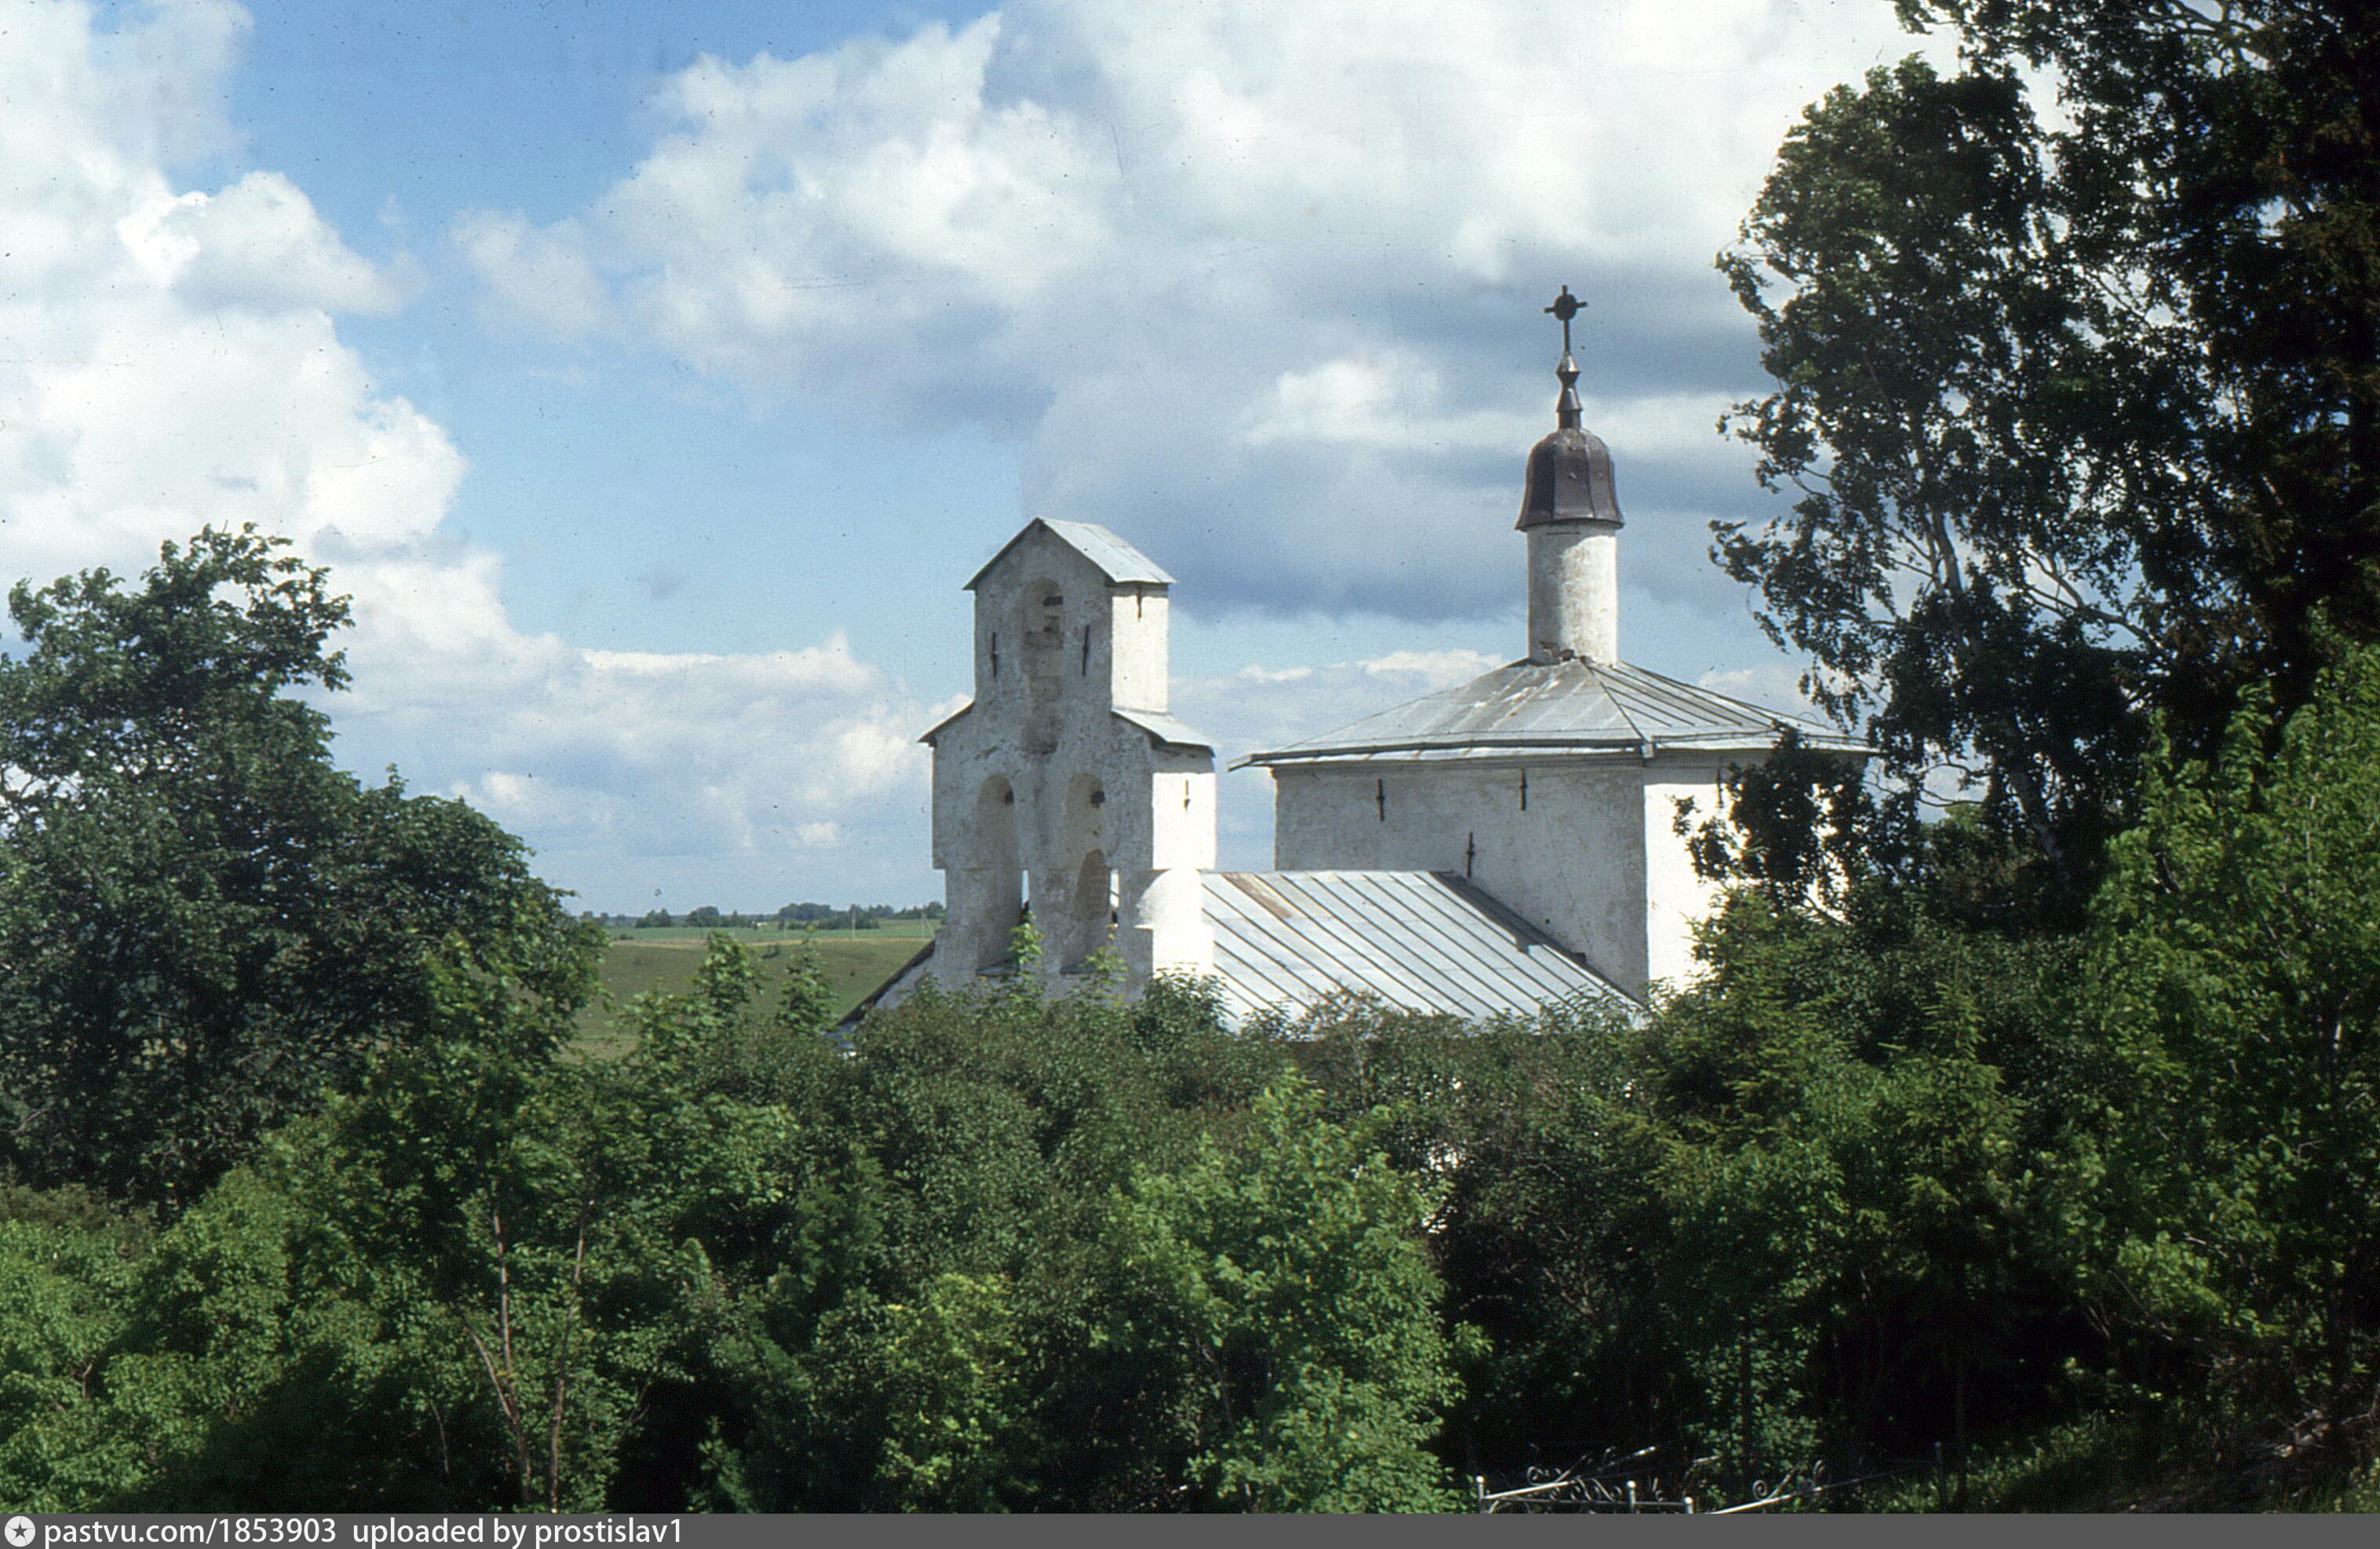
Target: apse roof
{"x":1119,"y":561}
{"x":1420,"y":941}
{"x":1557,"y":707}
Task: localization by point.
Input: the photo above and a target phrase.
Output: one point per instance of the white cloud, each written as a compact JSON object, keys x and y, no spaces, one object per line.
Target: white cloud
{"x":257,"y":243}
{"x":1254,"y":283}
{"x":1385,"y":401}
{"x":647,"y":757}
{"x":169,"y":358}
{"x":1259,"y":281}
{"x":1772,"y":685}
{"x":1430,"y":670}
{"x":538,"y":280}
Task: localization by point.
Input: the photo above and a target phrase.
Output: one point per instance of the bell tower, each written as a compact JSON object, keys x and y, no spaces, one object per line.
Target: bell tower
{"x":1067,"y":784}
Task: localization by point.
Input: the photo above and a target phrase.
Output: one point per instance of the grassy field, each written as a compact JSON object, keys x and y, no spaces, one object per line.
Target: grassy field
{"x":763,"y":936}
{"x":640,"y":962}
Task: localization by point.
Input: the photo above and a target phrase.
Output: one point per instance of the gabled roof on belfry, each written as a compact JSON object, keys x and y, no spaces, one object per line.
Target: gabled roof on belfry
{"x":1119,"y":561}
{"x":1539,"y":708}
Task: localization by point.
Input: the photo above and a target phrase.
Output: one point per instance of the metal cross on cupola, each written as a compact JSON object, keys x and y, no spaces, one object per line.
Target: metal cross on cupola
{"x":1566,"y":307}
{"x":1567,"y":413}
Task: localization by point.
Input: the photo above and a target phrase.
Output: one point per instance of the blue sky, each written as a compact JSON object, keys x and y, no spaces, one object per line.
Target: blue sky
{"x":654,"y":375}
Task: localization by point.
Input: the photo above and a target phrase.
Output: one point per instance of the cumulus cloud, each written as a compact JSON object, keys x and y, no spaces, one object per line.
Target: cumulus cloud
{"x":1256,"y":284}
{"x":1259,"y":280}
{"x":540,"y":281}
{"x":1258,"y":707}
{"x":681,"y":767}
{"x":257,"y":243}
{"x":172,"y":360}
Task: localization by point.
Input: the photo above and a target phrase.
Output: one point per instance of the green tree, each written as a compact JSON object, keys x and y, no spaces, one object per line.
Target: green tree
{"x":1846,"y":1257}
{"x":807,"y":1001}
{"x":204,"y":925}
{"x":486,"y":1279}
{"x":1286,"y":1274}
{"x":2229,"y":1172}
{"x":941,"y":1329}
{"x":66,"y":1265}
{"x":2080,"y":409}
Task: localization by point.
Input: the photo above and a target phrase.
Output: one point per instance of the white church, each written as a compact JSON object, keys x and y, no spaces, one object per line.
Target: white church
{"x":1484,"y":849}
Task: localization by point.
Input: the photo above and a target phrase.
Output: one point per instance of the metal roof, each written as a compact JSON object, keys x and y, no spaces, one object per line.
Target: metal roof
{"x":1165,"y":729}
{"x":1119,"y":561}
{"x":1422,"y":940}
{"x":947,"y":722}
{"x":1541,"y":707}
{"x":1169,"y":730}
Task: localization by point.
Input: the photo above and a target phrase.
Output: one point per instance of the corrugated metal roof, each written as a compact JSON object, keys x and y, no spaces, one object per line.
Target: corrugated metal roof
{"x":1119,"y":561}
{"x":1165,"y":729}
{"x":1561,"y":706}
{"x":1422,"y":940}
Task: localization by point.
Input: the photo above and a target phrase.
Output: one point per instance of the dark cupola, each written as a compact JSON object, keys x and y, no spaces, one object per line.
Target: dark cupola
{"x":1570,"y":470}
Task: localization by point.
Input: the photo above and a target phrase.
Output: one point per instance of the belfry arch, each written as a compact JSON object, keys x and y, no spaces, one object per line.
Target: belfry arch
{"x":994,"y":883}
{"x":1084,"y":923}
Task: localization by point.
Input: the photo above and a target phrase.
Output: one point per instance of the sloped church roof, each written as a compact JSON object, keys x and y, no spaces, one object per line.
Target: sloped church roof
{"x":1538,"y":708}
{"x":1421,"y":941}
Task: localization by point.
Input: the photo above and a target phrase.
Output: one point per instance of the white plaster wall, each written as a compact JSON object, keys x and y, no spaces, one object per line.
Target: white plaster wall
{"x":1138,"y":628}
{"x":1161,"y":923}
{"x":1182,"y":812}
{"x":1676,"y":899}
{"x":1571,"y":862}
{"x":1574,"y":591}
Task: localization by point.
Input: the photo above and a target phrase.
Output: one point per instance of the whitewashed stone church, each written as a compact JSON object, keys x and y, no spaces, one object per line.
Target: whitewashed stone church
{"x":1482,"y":850}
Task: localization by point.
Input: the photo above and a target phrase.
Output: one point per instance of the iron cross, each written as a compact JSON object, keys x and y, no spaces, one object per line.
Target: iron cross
{"x":1566,"y":307}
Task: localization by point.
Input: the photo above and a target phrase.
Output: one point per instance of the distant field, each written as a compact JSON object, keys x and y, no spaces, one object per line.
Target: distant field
{"x":639,"y":962}
{"x":755,"y":936}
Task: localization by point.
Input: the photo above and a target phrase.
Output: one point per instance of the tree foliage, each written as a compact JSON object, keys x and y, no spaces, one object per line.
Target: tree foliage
{"x":2230,"y":1168}
{"x":1284,"y":1275}
{"x":204,"y":924}
{"x":2081,"y":408}
{"x":1000,"y":1253}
